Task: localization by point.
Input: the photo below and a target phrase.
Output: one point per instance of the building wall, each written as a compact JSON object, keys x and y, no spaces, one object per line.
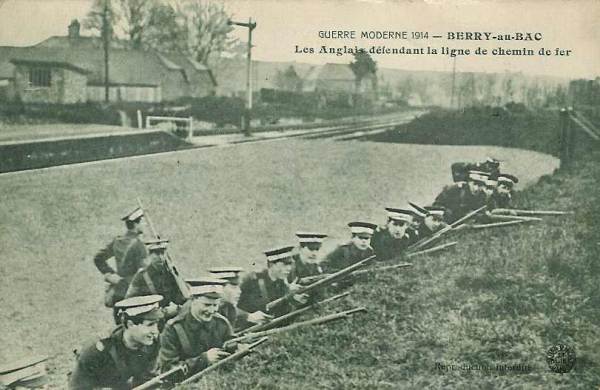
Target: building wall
{"x":335,"y":85}
{"x":66,"y":87}
{"x":173,"y":85}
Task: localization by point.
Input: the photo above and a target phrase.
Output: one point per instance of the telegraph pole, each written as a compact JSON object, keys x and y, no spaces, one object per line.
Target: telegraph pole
{"x":453,"y":80}
{"x":105,"y":40}
{"x":246,"y":117}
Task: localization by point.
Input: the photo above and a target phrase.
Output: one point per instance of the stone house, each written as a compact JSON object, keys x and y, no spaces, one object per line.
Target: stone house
{"x":70,"y":69}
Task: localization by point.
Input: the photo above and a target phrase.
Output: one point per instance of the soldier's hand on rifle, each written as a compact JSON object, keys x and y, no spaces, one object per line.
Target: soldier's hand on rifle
{"x":294,"y":286}
{"x":171,"y":310}
{"x":112,"y":278}
{"x":258,"y":317}
{"x":301,"y":298}
{"x":213,"y":355}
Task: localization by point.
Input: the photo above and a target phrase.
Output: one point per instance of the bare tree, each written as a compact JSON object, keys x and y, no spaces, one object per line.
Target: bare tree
{"x":135,"y":16}
{"x":208,"y":28}
{"x":94,"y":20}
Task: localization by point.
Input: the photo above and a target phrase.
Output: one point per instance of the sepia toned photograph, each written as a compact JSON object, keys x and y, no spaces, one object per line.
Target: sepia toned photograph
{"x":299,"y":194}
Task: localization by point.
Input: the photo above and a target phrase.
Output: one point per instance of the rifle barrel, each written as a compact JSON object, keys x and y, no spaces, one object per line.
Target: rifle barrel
{"x":432,"y":249}
{"x":531,"y":212}
{"x":283,"y":318}
{"x":384,"y":268}
{"x":320,"y":283}
{"x":314,"y":321}
{"x":499,"y":224}
{"x":513,"y":218}
{"x":438,"y":234}
{"x":235,"y":356}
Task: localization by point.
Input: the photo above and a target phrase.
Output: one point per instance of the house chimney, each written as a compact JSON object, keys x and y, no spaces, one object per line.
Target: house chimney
{"x":74,"y":29}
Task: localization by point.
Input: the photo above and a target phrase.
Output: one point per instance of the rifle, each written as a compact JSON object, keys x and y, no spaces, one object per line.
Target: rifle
{"x":531,"y":212}
{"x":498,"y":224}
{"x":387,"y":267}
{"x":438,"y":234}
{"x":432,"y":249}
{"x":319,"y":283}
{"x":181,"y":285}
{"x":419,"y":208}
{"x":384,"y":268}
{"x":232,"y":357}
{"x":314,"y":321}
{"x":158,"y":380}
{"x":283,"y":318}
{"x":512,"y":218}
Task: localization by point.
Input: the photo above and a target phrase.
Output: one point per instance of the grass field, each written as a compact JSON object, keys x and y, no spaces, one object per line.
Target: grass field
{"x":226,"y":205}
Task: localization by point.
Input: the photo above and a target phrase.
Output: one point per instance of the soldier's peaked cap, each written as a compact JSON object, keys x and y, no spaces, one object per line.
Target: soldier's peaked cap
{"x":146,"y":306}
{"x":133,"y":215}
{"x":362,"y":227}
{"x":218,"y":270}
{"x":492,"y":160}
{"x":279,"y":253}
{"x":310,"y":237}
{"x":205,"y":281}
{"x":229,"y":274}
{"x":478,"y":176}
{"x":400,"y":214}
{"x":156,"y":245}
{"x":206,"y":287}
{"x":506,"y":178}
{"x":435,"y":210}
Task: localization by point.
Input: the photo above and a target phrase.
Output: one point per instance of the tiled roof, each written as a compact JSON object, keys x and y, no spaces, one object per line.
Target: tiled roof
{"x":126,"y":67}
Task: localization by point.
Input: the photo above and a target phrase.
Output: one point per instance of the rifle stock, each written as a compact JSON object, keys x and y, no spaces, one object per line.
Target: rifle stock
{"x":314,"y":321}
{"x":320,"y":283}
{"x":285,"y":317}
{"x":158,"y":380}
{"x":220,"y":363}
{"x":181,"y":285}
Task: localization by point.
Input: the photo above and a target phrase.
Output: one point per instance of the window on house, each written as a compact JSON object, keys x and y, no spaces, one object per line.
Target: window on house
{"x":40,"y":77}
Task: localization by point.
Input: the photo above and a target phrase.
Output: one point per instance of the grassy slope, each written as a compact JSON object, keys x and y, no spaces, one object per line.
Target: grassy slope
{"x":217,"y":206}
{"x":502,"y":297}
{"x":480,"y":126}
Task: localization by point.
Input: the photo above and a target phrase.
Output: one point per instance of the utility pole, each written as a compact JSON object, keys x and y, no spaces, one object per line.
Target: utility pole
{"x":453,"y":80}
{"x":106,"y":42}
{"x":246,"y":117}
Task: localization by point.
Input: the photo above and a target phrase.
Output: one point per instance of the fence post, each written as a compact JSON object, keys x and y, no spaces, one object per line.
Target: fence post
{"x":564,"y":139}
{"x":572,"y":134}
{"x":191,"y":134}
{"x":139,"y":119}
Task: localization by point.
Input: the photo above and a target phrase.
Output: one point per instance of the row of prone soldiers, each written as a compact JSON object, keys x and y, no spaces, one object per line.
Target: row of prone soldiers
{"x":159,"y":328}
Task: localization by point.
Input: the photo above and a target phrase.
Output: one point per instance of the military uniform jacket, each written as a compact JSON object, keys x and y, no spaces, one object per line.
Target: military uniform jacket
{"x":458,"y":201}
{"x":387,"y":247}
{"x":186,"y":340}
{"x":155,"y":279}
{"x":498,"y":201}
{"x":129,"y":252}
{"x":258,"y":289}
{"x":302,"y":269}
{"x":344,"y":256}
{"x":108,"y":363}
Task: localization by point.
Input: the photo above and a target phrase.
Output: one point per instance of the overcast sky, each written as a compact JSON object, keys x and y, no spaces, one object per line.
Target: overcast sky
{"x":283,"y":24}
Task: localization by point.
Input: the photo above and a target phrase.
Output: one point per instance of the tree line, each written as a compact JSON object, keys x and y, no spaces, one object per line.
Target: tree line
{"x":198,"y":29}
